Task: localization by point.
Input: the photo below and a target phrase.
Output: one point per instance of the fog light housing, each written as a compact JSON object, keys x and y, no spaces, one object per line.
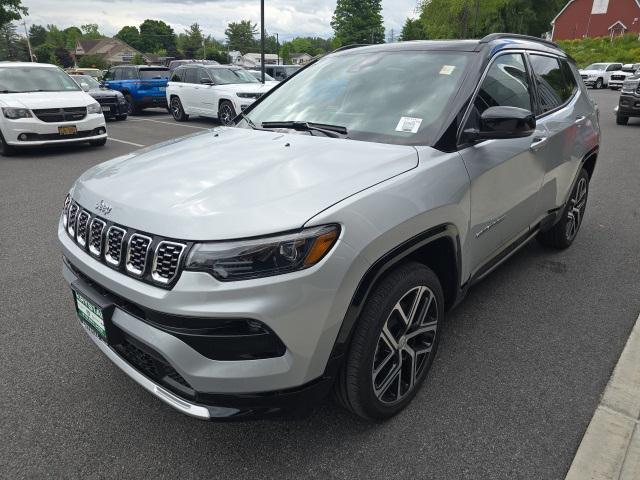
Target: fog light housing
{"x":23,"y":137}
{"x":101,"y":131}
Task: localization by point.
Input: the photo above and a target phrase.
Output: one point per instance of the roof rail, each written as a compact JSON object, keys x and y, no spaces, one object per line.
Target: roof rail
{"x":497,"y":36}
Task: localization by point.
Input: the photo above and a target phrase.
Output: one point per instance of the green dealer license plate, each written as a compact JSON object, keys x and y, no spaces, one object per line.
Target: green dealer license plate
{"x":91,"y":315}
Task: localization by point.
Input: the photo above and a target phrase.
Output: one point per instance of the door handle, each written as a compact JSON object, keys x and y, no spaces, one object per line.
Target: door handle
{"x":538,"y":143}
{"x":580,"y":119}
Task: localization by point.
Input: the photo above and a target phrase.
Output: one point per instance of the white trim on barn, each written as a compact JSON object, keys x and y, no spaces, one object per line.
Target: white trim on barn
{"x":618,"y":22}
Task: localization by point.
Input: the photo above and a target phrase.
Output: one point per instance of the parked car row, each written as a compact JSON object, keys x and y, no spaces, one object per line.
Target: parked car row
{"x":608,"y":75}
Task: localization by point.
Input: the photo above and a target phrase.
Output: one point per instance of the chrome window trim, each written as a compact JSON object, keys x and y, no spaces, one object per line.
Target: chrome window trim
{"x":132,"y":270}
{"x":108,"y":258}
{"x":92,"y":250}
{"x":154,"y":265}
{"x":82,"y":241}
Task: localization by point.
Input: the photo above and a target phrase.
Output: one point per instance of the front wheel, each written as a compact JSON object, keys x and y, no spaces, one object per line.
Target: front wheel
{"x":6,"y":150}
{"x":564,"y":232}
{"x":99,"y":143}
{"x":622,"y":120}
{"x":599,"y":84}
{"x":132,"y":107}
{"x":394,"y":343}
{"x":226,"y":113}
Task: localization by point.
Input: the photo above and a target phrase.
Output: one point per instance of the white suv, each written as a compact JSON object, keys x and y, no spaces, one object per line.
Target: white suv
{"x":42,"y":105}
{"x":597,"y":75}
{"x":215,"y":91}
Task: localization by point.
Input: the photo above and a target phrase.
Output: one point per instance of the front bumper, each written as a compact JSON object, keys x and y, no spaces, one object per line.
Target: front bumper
{"x":43,"y":133}
{"x":296,"y":307}
{"x":629,"y":105}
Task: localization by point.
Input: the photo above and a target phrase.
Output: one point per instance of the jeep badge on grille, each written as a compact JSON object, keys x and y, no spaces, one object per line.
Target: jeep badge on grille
{"x":103,"y":208}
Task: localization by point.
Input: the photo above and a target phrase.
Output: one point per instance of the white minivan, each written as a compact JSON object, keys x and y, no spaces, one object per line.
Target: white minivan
{"x":42,"y":105}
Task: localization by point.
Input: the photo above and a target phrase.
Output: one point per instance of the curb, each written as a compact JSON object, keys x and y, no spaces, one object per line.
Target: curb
{"x":610,"y":448}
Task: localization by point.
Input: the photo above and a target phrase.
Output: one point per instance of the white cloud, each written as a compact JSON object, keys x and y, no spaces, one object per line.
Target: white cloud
{"x":286,"y":17}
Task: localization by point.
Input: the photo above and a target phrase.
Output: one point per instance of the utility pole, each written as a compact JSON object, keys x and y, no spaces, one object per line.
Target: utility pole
{"x":204,"y":49}
{"x":277,"y":49}
{"x":24,"y":22}
{"x":475,"y":26}
{"x":262,"y":39}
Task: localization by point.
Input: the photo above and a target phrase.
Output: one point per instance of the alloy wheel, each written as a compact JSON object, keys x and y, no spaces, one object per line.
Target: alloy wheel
{"x":405,"y":345}
{"x":176,"y":109}
{"x":226,"y":114}
{"x":577,"y":207}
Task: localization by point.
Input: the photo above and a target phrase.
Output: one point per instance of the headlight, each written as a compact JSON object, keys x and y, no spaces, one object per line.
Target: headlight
{"x":121,"y":99}
{"x":248,"y":95}
{"x":94,"y":108}
{"x":263,"y":257}
{"x":15,"y":113}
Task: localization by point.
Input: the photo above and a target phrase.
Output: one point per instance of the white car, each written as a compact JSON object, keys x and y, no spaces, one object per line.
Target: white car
{"x":268,"y":79}
{"x":618,"y":77}
{"x":598,"y":75}
{"x":215,"y":91}
{"x":41,"y":105}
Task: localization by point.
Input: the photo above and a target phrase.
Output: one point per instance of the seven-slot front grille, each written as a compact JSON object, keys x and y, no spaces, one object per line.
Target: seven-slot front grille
{"x":148,"y":258}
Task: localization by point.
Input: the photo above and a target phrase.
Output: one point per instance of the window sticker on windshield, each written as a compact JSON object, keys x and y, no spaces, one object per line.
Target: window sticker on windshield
{"x":409,"y":125}
{"x":447,"y":69}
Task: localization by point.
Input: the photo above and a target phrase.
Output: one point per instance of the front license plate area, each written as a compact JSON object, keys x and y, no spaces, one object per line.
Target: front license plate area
{"x":68,"y":130}
{"x":91,"y":315}
{"x":106,"y":109}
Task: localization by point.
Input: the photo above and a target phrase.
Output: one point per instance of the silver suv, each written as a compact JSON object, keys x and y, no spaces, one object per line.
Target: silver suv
{"x":317,"y":246}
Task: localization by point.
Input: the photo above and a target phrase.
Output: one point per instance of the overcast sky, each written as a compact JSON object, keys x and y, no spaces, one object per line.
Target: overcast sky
{"x":286,"y":17}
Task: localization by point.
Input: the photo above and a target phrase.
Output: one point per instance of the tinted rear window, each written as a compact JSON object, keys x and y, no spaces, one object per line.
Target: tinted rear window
{"x":148,"y":74}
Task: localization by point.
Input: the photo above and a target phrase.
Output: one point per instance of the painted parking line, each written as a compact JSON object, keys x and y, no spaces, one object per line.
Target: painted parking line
{"x":175,"y":124}
{"x":126,"y":142}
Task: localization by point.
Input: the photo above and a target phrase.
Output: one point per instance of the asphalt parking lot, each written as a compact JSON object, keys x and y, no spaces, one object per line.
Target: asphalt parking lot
{"x":522,"y":363}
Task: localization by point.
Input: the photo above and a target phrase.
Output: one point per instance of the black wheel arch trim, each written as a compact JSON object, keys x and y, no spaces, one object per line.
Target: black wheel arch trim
{"x":382,"y":266}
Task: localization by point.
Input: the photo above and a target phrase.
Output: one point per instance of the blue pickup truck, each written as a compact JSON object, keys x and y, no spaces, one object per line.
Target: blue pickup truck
{"x":143,"y":86}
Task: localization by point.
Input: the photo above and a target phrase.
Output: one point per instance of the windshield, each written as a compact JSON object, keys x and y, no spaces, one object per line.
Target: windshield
{"x":257,"y":74}
{"x":86,"y":82}
{"x":227,"y":76}
{"x":596,"y":66}
{"x":149,"y":74}
{"x":35,"y":79}
{"x":386,"y":97}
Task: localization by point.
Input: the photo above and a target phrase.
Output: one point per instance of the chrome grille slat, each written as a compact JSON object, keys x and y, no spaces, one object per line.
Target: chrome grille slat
{"x":137,"y":250}
{"x":95,"y":236}
{"x":166,"y":261}
{"x":73,"y":216}
{"x":113,"y":248}
{"x":65,"y":211}
{"x":81,"y":228}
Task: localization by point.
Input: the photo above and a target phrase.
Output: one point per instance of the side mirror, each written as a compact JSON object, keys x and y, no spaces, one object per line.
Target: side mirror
{"x":503,"y":123}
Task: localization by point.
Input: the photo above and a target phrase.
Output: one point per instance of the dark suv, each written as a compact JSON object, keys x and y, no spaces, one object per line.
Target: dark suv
{"x":629,"y":104}
{"x":143,"y":86}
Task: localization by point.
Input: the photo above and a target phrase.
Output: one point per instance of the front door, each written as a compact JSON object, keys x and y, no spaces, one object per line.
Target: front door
{"x":505,"y":175}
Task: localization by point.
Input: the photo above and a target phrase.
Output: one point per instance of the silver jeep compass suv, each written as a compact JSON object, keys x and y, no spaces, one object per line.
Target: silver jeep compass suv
{"x":316,"y":246}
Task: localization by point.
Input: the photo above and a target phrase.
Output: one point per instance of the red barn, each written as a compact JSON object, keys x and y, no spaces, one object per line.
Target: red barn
{"x":596,"y":18}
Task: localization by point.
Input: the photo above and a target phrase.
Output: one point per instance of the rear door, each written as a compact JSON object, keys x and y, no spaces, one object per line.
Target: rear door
{"x":153,"y":81}
{"x":506,"y":175}
{"x":188,"y":92}
{"x":566,"y":114}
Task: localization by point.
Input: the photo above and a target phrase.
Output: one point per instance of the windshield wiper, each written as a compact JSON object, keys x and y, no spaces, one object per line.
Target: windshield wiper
{"x":333,"y":131}
{"x":251,"y":123}
{"x":8,"y":91}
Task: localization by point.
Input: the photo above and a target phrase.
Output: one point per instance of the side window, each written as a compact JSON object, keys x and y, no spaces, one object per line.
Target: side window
{"x":614,"y":68}
{"x":506,"y":85}
{"x":203,"y":75}
{"x":569,"y":76}
{"x":177,"y":75}
{"x":129,"y":74}
{"x":191,"y":75}
{"x":553,"y":89}
{"x":109,"y":75}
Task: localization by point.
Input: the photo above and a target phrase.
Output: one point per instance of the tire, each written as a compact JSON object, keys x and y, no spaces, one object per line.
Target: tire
{"x":6,"y":150}
{"x":599,"y":84}
{"x":226,"y":113}
{"x":622,"y":120}
{"x":122,"y":117}
{"x":98,"y":143}
{"x":132,"y":107}
{"x":382,"y":341}
{"x":177,"y":110}
{"x":564,"y":232}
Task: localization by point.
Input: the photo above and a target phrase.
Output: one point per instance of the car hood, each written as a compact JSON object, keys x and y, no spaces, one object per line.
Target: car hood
{"x":231,"y":183}
{"x":103,"y":92}
{"x":37,"y":100}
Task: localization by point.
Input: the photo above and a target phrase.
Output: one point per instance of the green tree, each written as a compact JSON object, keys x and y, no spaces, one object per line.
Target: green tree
{"x":11,"y":10}
{"x":11,"y":46}
{"x":358,"y":21}
{"x":55,"y":36}
{"x":131,"y":36}
{"x":71,"y":36}
{"x":285,"y":53}
{"x":90,"y":31}
{"x":63,"y":57}
{"x":241,"y":36}
{"x":190,"y":42}
{"x":92,"y":61}
{"x":156,"y":35}
{"x":413,"y":29}
{"x":138,"y":60}
{"x":37,"y":35}
{"x":44,"y":53}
